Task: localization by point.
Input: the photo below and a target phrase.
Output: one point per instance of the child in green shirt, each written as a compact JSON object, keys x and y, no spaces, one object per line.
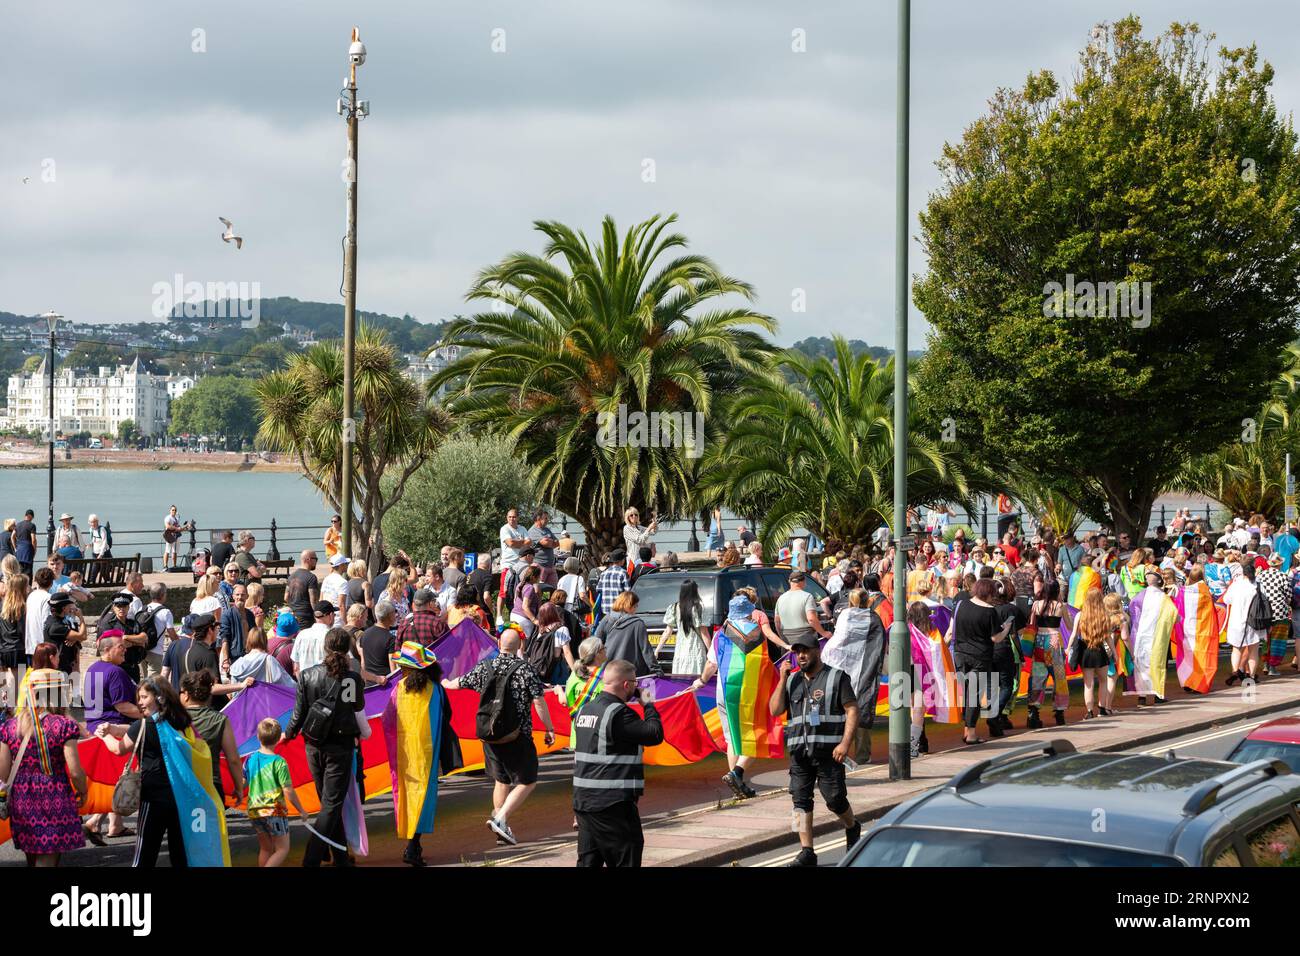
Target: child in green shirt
{"x":269,"y":787}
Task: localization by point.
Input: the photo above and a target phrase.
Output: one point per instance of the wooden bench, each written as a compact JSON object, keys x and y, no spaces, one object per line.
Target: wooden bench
{"x":102,"y":572}
{"x":277,"y":570}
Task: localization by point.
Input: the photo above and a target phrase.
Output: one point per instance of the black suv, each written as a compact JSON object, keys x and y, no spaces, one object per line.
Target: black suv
{"x":1048,"y":805}
{"x":656,"y":590}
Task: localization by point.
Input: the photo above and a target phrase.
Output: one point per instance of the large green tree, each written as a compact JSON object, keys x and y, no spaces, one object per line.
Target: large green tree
{"x":1156,"y":165}
{"x":220,"y":406}
{"x":816,"y":446}
{"x":588,"y":332}
{"x":395,"y":427}
{"x":459,"y":497}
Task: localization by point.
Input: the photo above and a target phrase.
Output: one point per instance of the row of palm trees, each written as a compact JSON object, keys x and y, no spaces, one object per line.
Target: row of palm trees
{"x":634,"y":323}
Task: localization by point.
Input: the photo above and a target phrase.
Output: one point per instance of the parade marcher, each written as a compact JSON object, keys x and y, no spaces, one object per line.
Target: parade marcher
{"x":258,"y":664}
{"x":1048,"y":659}
{"x":280,"y":644}
{"x":510,"y":691}
{"x":1007,"y":654}
{"x":270,"y":789}
{"x":684,"y":621}
{"x":858,"y":649}
{"x":976,"y":628}
{"x":625,"y":636}
{"x":44,"y":783}
{"x":175,"y":782}
{"x":1095,"y":654}
{"x":608,"y":772}
{"x":329,"y":710}
{"x":739,"y":657}
{"x":66,"y":628}
{"x":421,"y":745}
{"x":1277,"y":590}
{"x":13,"y":635}
{"x":823,"y":714}
{"x":424,"y":624}
{"x":1243,"y":635}
{"x":213,"y":728}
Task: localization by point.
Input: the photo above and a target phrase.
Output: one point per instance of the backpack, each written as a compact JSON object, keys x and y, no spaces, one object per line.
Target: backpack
{"x":1259,"y":617}
{"x":496,"y":721}
{"x":321,"y":717}
{"x":539,"y":651}
{"x":145,"y":621}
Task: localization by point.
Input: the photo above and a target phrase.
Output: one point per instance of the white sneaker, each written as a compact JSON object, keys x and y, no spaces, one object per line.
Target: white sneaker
{"x":502,"y":830}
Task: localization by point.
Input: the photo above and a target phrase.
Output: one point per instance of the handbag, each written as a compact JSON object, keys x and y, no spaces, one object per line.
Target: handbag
{"x":13,"y":775}
{"x":126,"y":792}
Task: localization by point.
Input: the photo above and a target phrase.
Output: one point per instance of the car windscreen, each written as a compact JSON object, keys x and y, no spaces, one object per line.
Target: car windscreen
{"x":919,"y":846}
{"x":1249,"y":750}
{"x":656,"y":591}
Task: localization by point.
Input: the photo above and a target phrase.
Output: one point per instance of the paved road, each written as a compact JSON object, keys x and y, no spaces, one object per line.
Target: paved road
{"x":1213,"y":744}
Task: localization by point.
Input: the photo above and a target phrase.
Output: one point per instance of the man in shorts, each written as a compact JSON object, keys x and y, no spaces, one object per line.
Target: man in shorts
{"x":512,"y":765}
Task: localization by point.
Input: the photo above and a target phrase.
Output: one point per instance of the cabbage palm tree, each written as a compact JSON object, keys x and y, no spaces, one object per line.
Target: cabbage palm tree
{"x":586,"y":332}
{"x":817,"y":444}
{"x":397,"y":427}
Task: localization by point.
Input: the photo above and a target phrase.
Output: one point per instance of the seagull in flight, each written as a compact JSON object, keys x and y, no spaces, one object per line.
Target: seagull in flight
{"x":229,"y":234}
{"x":26,"y":180}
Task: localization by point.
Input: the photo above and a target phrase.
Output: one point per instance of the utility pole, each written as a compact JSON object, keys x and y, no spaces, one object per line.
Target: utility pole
{"x":900,"y":656}
{"x":52,"y":320}
{"x":352,"y":110}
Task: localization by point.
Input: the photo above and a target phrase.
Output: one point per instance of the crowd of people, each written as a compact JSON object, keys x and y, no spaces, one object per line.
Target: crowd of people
{"x":156,"y":686}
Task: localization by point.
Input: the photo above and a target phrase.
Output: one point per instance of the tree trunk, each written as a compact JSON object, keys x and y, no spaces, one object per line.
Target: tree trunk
{"x":604,"y":535}
{"x":1128,"y":511}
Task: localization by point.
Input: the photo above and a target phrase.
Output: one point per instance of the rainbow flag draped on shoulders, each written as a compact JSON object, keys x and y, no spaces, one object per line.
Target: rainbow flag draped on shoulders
{"x":202,"y":813}
{"x":1081,"y":582}
{"x":1152,"y":621}
{"x":412,"y":725}
{"x":1196,"y":642}
{"x":937,"y":674}
{"x":746,"y":679}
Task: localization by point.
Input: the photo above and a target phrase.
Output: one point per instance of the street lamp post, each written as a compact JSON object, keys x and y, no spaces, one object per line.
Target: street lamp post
{"x":900,"y":698}
{"x":52,"y":320}
{"x":351,"y":109}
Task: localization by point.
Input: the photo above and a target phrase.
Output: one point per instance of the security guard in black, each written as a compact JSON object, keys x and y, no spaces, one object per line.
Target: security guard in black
{"x":608,"y":773}
{"x":819,"y":736}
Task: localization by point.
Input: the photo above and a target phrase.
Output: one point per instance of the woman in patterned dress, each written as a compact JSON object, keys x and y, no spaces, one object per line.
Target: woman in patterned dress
{"x":50,"y":784}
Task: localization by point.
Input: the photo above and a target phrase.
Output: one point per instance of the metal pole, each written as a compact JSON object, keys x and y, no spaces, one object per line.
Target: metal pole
{"x":900,"y":698}
{"x":349,"y":308}
{"x":49,"y":531}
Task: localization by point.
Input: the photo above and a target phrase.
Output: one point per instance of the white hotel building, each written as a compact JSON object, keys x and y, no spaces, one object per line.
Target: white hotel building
{"x":89,"y":402}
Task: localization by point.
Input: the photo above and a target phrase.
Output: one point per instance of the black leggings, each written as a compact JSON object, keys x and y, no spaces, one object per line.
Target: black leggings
{"x":155,"y":820}
{"x":974,"y":680}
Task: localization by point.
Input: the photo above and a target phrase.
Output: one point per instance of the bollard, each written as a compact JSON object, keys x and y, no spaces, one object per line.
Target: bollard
{"x":694,"y":544}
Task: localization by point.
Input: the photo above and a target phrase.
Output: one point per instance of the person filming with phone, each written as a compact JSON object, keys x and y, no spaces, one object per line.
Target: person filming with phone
{"x":608,"y":773}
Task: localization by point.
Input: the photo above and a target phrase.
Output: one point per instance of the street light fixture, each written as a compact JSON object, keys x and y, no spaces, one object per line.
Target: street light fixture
{"x":52,"y":320}
{"x":351,"y":110}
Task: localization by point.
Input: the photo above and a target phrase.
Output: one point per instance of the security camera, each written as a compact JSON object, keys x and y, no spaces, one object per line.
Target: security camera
{"x":357,"y":53}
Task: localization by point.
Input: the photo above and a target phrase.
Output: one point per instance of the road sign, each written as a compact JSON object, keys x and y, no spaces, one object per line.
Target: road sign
{"x":1290,"y":507}
{"x":907,"y":542}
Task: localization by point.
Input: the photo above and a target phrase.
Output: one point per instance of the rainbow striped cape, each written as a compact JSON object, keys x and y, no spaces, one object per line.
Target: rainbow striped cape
{"x":1152,"y":620}
{"x":746,"y":679}
{"x":202,"y":813}
{"x":412,"y":725}
{"x":1196,"y":641}
{"x":1081,"y":582}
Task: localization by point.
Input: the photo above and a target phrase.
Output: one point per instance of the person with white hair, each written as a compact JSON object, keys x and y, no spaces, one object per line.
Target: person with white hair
{"x":100,"y":547}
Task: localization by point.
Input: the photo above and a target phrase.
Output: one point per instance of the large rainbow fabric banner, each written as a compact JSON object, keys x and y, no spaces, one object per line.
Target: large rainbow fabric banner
{"x":1152,"y":621}
{"x":461,"y":648}
{"x":1196,"y":640}
{"x":746,"y":679}
{"x":1081,"y":582}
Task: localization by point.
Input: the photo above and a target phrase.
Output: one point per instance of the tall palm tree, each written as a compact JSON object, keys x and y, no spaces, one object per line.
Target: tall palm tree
{"x":817,"y":444}
{"x":397,"y":426}
{"x":587,"y":331}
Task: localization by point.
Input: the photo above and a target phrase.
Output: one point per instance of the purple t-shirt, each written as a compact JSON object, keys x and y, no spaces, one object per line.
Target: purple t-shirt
{"x":104,"y":685}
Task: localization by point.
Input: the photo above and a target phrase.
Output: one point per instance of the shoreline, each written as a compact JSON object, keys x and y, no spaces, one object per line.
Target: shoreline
{"x":280,"y":467}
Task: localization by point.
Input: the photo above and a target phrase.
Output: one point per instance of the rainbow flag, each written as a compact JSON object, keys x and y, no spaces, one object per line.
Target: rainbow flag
{"x":462,"y":648}
{"x":203,"y":817}
{"x":1081,"y":582}
{"x":1196,"y":642}
{"x":413,"y":756}
{"x":1152,"y":620}
{"x":746,"y":679}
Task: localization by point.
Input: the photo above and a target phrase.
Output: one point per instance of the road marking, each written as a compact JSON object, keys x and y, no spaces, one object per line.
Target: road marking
{"x":1224,"y":732}
{"x":817,"y":847}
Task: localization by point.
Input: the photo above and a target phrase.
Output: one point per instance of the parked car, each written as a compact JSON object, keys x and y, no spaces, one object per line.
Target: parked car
{"x":95,"y":443}
{"x":1049,"y":805}
{"x":658,"y":589}
{"x":1276,"y":740}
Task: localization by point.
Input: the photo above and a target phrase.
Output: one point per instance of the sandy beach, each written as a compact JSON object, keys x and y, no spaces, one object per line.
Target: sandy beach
{"x":166,"y":459}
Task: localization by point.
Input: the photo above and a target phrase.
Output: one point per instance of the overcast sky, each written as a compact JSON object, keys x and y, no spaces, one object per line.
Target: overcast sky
{"x":780,"y":164}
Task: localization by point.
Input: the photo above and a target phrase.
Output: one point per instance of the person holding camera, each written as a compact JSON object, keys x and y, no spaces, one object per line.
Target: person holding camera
{"x":608,"y":773}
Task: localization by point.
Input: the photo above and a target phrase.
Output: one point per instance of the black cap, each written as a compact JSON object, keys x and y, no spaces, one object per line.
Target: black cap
{"x":199,"y":622}
{"x":806,"y":640}
{"x":324,"y":607}
{"x":527,"y":551}
{"x":424,"y":596}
